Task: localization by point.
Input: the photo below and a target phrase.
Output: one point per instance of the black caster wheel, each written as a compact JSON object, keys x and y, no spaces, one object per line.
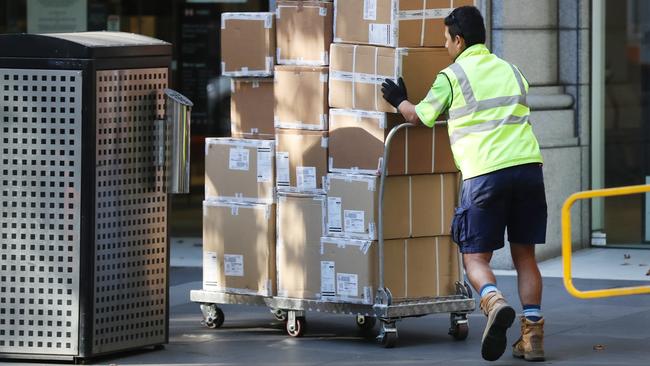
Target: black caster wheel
{"x":366,"y":322}
{"x":459,"y":331}
{"x":215,"y":317}
{"x":297,"y":330}
{"x":388,"y":339}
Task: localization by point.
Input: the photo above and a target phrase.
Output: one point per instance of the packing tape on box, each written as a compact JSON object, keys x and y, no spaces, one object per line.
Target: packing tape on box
{"x":357,"y":113}
{"x":442,"y":202}
{"x":239,"y":142}
{"x":375,"y":76}
{"x":406,"y":151}
{"x":406,"y":277}
{"x":354,"y":68}
{"x":266,"y":17}
{"x":424,"y":14}
{"x":410,"y":205}
{"x":433,"y":148}
{"x":437,"y":269}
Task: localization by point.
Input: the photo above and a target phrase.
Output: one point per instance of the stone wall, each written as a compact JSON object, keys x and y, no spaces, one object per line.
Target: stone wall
{"x":549,"y":41}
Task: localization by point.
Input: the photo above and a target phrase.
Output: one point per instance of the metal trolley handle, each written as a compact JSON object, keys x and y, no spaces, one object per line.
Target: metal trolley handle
{"x":383,"y":294}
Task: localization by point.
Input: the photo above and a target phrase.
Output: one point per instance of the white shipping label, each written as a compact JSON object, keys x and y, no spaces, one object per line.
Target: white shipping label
{"x":238,"y":159}
{"x":354,"y":221}
{"x":379,"y":34}
{"x":370,"y":9}
{"x":306,"y":177}
{"x":327,"y":278}
{"x":234,"y":265}
{"x":282,"y":166}
{"x":367,"y":295}
{"x":264,"y":165}
{"x":334,"y":214}
{"x":210,"y":269}
{"x":347,"y":284}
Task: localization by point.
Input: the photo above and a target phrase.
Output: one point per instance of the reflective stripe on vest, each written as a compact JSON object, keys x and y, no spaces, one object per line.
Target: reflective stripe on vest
{"x":485,"y":126}
{"x":472,"y":106}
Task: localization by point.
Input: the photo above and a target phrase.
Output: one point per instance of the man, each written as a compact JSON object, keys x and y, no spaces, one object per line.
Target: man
{"x":495,"y":149}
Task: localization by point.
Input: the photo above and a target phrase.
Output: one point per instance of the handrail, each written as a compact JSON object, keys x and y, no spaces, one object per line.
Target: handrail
{"x":566,"y":244}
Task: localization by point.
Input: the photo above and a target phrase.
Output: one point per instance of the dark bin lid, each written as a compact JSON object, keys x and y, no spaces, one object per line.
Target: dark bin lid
{"x":85,"y":45}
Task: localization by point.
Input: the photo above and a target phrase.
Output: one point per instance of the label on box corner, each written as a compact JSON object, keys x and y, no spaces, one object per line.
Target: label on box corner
{"x":353,"y":221}
{"x":268,"y":22}
{"x":369,"y":9}
{"x":284,"y":173}
{"x":264,"y":165}
{"x":322,"y":11}
{"x":238,"y":159}
{"x":347,"y":284}
{"x":334,"y":214}
{"x":379,"y":34}
{"x":233,"y":265}
{"x":306,"y":177}
{"x":367,"y":295}
{"x":210,"y":269}
{"x":327,"y":278}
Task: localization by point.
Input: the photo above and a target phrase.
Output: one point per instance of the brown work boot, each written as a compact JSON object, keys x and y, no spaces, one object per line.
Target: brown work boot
{"x":530,"y":345}
{"x":500,"y":317}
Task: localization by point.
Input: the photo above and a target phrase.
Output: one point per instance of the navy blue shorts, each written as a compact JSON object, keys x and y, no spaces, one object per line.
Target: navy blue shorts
{"x":511,"y":198}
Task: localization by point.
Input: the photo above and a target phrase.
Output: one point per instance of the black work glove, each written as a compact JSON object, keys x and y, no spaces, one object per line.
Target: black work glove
{"x":394,"y":93}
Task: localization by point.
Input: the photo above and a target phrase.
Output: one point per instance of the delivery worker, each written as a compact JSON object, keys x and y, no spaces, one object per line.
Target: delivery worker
{"x":498,"y":155}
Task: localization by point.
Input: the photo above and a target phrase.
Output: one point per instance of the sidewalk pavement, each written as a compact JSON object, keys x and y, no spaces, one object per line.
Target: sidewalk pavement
{"x":609,"y":332}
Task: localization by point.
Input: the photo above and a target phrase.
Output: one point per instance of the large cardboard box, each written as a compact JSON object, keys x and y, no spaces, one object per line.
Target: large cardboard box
{"x":357,"y":140}
{"x":421,"y":267}
{"x":414,"y":205}
{"x":247,"y":44}
{"x":239,"y":248}
{"x":251,"y":108}
{"x":357,"y":72}
{"x":301,"y":160}
{"x":300,"y":227}
{"x":304,"y":32}
{"x":301,"y":97}
{"x":239,"y":170}
{"x":348,"y":270}
{"x":393,"y":23}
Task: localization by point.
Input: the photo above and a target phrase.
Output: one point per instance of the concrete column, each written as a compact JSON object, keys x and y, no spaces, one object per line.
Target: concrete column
{"x":548,"y":41}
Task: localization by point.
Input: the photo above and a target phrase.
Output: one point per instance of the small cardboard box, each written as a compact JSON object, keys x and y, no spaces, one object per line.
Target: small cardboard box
{"x":414,"y":206}
{"x":239,"y":248}
{"x":357,"y":72}
{"x":348,"y":270}
{"x":357,"y":140}
{"x":301,"y":160}
{"x":247,"y":44}
{"x":300,"y":227}
{"x":301,"y":97}
{"x":421,"y":267}
{"x":251,"y":108}
{"x":304,"y":32}
{"x":239,"y":170}
{"x":393,"y":23}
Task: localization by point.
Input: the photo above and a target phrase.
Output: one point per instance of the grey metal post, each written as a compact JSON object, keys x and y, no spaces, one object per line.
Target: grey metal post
{"x":177,"y":112}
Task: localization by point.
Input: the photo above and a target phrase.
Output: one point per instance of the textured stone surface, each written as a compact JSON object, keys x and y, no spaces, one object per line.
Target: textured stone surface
{"x":553,"y":128}
{"x":533,"y":51}
{"x":568,"y":13}
{"x":568,"y":51}
{"x":529,"y":14}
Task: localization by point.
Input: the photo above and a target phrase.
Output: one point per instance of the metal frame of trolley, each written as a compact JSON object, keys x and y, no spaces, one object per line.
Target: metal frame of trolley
{"x":387,"y":310}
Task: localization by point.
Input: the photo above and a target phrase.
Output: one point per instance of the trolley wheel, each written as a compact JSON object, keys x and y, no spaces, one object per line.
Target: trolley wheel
{"x":366,"y":322}
{"x":459,"y":328}
{"x":215,"y":317}
{"x":388,"y":339}
{"x":459,"y":331}
{"x":299,"y":329}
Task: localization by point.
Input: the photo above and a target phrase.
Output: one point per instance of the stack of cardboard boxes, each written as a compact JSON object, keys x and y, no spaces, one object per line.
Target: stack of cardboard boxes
{"x":375,"y":40}
{"x":325,"y":110}
{"x":239,"y":207}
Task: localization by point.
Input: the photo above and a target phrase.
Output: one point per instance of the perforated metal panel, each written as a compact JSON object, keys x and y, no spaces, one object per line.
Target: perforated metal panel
{"x":40,"y":167}
{"x":131,"y":236}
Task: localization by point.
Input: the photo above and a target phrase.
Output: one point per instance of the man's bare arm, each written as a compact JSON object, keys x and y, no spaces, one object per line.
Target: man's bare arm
{"x":407,"y":109}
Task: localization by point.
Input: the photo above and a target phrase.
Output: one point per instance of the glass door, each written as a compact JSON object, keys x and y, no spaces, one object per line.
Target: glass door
{"x":621,"y":123}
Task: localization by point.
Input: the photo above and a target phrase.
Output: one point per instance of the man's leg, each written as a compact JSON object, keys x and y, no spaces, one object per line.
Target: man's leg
{"x":500,"y":315}
{"x":529,"y":282}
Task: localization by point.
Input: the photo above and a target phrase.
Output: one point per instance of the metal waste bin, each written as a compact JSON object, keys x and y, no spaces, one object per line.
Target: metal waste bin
{"x":84,"y":210}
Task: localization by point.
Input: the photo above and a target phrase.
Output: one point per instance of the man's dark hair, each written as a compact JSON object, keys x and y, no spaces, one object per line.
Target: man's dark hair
{"x":466,"y":22}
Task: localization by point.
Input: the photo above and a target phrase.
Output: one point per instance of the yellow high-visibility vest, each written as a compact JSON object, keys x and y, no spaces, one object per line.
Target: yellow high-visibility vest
{"x":488,"y":125}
